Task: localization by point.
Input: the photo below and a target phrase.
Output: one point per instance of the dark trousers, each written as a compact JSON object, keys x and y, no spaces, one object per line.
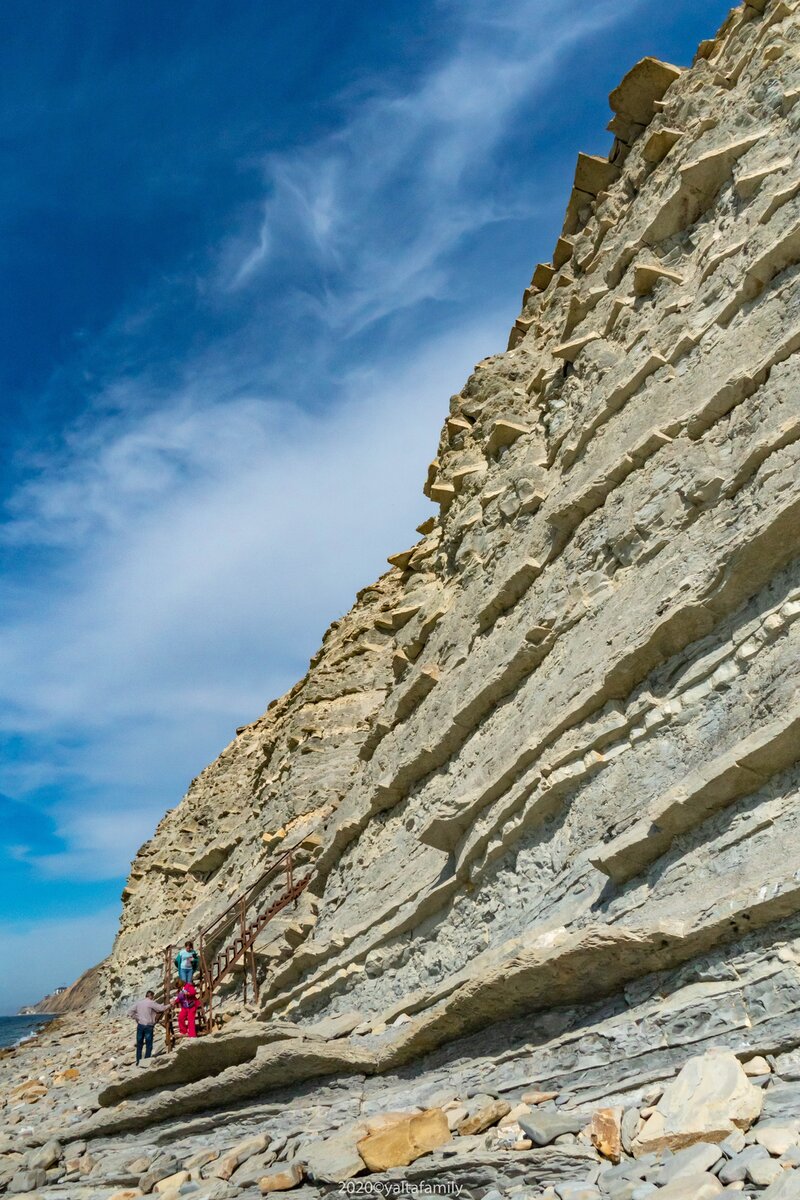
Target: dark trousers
{"x":144,"y":1039}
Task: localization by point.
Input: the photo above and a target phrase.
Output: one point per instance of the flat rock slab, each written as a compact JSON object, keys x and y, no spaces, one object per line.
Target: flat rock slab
{"x":539,"y":1167}
{"x":544,"y":1126}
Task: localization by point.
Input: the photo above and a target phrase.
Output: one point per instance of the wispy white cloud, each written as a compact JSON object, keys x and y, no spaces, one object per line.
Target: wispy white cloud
{"x":388,"y":195}
{"x":186,"y":544}
{"x":207,"y":545}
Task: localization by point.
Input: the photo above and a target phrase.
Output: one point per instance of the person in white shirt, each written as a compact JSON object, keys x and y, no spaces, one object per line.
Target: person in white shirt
{"x":145,"y":1013}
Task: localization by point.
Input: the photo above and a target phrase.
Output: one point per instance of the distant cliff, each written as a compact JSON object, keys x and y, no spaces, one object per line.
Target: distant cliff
{"x":72,"y":999}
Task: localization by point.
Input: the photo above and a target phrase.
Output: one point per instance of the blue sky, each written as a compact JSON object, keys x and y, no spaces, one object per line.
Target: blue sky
{"x":249,"y":252}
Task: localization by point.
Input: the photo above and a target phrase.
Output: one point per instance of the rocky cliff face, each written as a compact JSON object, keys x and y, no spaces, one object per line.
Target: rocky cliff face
{"x":563,"y":728}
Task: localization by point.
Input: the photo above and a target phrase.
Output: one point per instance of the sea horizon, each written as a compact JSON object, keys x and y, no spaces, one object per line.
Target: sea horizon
{"x":17,"y":1028}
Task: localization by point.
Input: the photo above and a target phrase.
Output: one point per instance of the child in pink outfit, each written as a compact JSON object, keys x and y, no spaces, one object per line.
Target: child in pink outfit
{"x":186,"y":1001}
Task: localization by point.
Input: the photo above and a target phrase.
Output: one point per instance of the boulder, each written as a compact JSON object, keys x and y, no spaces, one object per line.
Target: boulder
{"x":698,"y":1186}
{"x":606,"y":1132}
{"x":231,"y":1159}
{"x":27,"y":1181}
{"x":68,"y":1075}
{"x":710,"y":1098}
{"x":735,"y":1170}
{"x":544,"y":1126}
{"x":402,"y":1143}
{"x":778,"y":1136}
{"x":333,"y":1160}
{"x":702,"y":1156}
{"x":484,"y":1118}
{"x":46,"y":1156}
{"x":763,"y":1171}
{"x":786,"y":1187}
{"x":281,"y":1179}
{"x":172,"y":1183}
{"x":249,"y":1173}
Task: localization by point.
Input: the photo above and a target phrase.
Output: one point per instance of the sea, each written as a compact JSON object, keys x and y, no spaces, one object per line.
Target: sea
{"x":14,"y":1030}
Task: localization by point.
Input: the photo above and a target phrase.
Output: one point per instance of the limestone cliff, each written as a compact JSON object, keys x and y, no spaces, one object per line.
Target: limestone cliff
{"x":554,"y":749}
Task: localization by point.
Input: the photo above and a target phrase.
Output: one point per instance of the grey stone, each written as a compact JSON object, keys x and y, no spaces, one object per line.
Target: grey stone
{"x":733,"y":1144}
{"x":628,"y":1127}
{"x":46,"y":1156}
{"x":543,"y":1126}
{"x":28,"y":1181}
{"x":162,"y":1167}
{"x":249,"y":1173}
{"x":643,"y":1191}
{"x":781,"y":1100}
{"x":736,"y":1168}
{"x":788,"y":1066}
{"x":699,"y":1185}
{"x":786,"y":1187}
{"x":333,"y":1160}
{"x":763,"y":1171}
{"x":702,"y":1156}
{"x":577,"y":1191}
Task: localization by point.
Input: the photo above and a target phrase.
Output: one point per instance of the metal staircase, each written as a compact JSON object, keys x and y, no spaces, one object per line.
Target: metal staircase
{"x":246,"y":915}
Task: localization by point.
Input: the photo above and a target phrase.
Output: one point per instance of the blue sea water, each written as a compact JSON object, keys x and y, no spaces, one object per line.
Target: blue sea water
{"x":16,"y":1029}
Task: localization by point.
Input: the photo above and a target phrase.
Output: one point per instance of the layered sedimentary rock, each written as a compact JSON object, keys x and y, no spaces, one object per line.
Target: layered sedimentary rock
{"x":554,"y":749}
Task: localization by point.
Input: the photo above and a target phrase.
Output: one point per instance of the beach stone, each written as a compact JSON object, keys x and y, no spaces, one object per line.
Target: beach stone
{"x":629,"y":1127}
{"x":763,"y":1171}
{"x":605,"y":1132}
{"x":172,"y":1183}
{"x":698,"y":1185}
{"x":249,"y":1173}
{"x":643,"y":1190}
{"x":756,"y":1066}
{"x":281,"y":1179}
{"x":127,"y":1194}
{"x":46,"y":1156}
{"x":224,"y":1167}
{"x":161,"y":1168}
{"x":577,"y":1191}
{"x":710,"y":1097}
{"x":484,"y":1118}
{"x":736,"y":1167}
{"x":138,"y":1166}
{"x":785,"y":1187}
{"x":544,"y":1126}
{"x":778,"y":1138}
{"x":333,"y":1160}
{"x":733,"y":1143}
{"x":702,"y":1156}
{"x":791,"y":1158}
{"x":27,"y":1181}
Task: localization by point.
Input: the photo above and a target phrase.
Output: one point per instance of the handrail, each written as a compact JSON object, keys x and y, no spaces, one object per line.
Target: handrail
{"x":234,"y":906}
{"x":214,"y":969}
